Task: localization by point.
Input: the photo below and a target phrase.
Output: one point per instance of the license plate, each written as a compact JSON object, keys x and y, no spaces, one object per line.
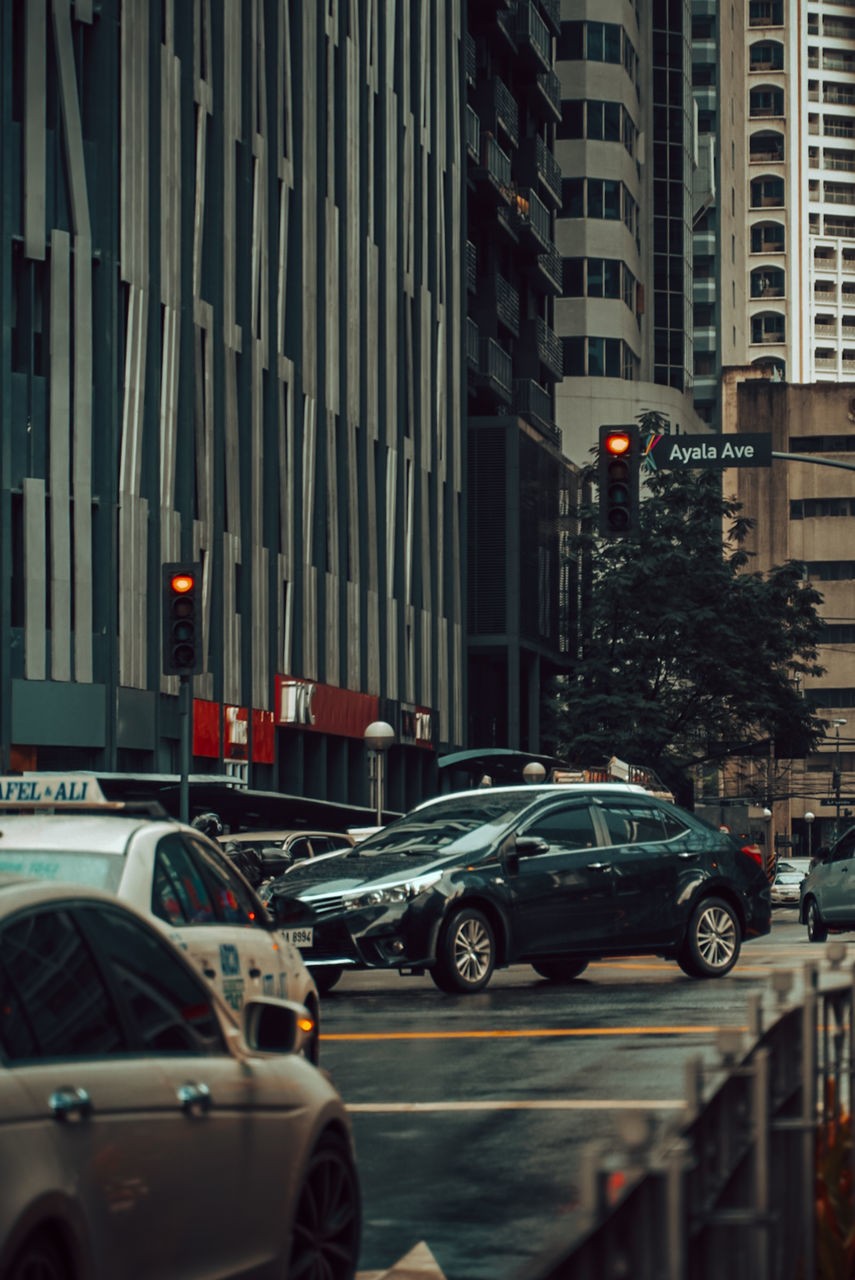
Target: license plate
{"x":299,"y":937}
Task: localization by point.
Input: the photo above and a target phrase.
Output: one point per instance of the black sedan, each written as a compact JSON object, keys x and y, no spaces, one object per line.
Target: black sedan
{"x":553,"y":876}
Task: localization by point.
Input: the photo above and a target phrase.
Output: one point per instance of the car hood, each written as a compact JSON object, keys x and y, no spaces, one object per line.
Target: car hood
{"x":351,"y":871}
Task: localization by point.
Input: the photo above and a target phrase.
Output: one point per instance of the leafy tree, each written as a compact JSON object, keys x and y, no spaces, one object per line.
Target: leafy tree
{"x":686,"y":656}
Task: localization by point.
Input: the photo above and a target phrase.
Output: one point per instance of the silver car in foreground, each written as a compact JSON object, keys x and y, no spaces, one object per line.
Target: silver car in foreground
{"x":146,"y":1129}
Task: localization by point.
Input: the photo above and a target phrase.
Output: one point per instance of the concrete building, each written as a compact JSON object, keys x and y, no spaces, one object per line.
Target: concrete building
{"x":804,"y":511}
{"x":230,"y":305}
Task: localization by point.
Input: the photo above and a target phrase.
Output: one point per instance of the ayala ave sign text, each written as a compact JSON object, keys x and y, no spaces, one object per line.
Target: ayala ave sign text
{"x":711,"y":453}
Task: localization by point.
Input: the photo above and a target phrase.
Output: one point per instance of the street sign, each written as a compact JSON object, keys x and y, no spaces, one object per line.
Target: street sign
{"x":711,"y":453}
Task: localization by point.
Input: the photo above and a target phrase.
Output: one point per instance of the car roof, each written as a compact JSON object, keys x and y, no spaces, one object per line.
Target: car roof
{"x":75,"y":832}
{"x":540,"y":791}
{"x":247,"y":837}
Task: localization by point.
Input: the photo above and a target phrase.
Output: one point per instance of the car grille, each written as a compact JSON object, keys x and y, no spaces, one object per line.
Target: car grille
{"x":331,"y":942}
{"x":325,"y":905}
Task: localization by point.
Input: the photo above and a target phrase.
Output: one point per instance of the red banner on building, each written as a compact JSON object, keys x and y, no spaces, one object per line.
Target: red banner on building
{"x":302,"y":704}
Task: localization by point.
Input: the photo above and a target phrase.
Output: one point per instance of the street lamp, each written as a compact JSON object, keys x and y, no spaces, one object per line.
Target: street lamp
{"x":534,"y":771}
{"x":836,"y":779}
{"x":809,"y":817}
{"x":378,"y":737}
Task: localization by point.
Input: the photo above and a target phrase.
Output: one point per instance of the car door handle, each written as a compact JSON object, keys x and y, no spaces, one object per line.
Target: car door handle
{"x":194,"y":1098}
{"x":65,"y":1103}
{"x":687,"y":853}
{"x":599,"y":866}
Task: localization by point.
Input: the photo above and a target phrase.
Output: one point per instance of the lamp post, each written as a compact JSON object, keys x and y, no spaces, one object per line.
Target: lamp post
{"x":809,"y":817}
{"x":836,"y":778}
{"x":378,"y":737}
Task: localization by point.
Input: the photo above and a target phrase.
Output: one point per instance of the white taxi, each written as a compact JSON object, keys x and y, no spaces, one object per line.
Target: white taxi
{"x":146,"y":1130}
{"x":61,"y":827}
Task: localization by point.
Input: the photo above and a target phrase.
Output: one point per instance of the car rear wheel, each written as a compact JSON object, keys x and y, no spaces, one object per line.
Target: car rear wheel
{"x":713,"y":939}
{"x":465,"y":954}
{"x":560,"y":970}
{"x":326,"y":978}
{"x":816,"y":930}
{"x":325,"y":1242}
{"x":38,"y":1259}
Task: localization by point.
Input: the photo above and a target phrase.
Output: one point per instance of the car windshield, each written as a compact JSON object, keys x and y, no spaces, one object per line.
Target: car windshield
{"x":454,"y":825}
{"x":101,"y":870}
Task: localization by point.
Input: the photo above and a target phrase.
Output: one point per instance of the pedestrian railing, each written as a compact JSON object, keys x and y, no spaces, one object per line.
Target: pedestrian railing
{"x":753,"y":1179}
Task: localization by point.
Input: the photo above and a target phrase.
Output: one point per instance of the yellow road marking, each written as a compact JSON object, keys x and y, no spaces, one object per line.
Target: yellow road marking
{"x":543,"y":1104}
{"x":525,"y":1032}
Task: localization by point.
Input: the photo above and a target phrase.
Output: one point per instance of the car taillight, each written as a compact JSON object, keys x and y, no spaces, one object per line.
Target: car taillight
{"x":754,"y":851}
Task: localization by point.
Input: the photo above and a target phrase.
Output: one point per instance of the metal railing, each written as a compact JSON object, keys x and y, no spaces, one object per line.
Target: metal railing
{"x":727,"y":1190}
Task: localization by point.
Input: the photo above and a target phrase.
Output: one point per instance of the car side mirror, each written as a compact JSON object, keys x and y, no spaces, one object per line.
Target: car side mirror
{"x":271,"y":1025}
{"x":528,"y":846}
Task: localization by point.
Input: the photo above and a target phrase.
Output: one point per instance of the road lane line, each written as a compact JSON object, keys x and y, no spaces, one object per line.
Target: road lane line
{"x":519,"y":1034}
{"x":542,"y":1104}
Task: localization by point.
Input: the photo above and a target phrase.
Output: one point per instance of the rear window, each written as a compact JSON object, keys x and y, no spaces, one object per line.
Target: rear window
{"x":101,"y":870}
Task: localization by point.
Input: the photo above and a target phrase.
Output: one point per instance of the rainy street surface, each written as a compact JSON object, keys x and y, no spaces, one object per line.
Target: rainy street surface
{"x":472,"y":1114}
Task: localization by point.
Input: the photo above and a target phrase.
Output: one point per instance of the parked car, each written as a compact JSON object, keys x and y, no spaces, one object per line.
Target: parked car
{"x":827,"y":900}
{"x":547,"y":875}
{"x":279,"y":850}
{"x":143,"y":1122}
{"x":787,"y":881}
{"x":173,"y":872}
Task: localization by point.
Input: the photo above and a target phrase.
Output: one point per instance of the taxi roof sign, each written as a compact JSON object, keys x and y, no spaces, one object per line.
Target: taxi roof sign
{"x":52,"y":789}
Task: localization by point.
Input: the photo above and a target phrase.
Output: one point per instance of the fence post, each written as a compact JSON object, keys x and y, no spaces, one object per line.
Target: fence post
{"x":760,"y":1118}
{"x":807,"y":1199}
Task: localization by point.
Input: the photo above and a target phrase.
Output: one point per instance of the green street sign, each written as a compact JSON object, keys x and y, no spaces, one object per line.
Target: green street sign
{"x":711,"y":453}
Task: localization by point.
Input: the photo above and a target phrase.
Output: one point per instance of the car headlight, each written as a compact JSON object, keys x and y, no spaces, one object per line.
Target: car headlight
{"x":386,"y":895}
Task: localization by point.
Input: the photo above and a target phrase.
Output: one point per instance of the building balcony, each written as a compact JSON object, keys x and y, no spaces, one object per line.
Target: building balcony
{"x":534,"y":403}
{"x":472,"y":129}
{"x":498,"y":110}
{"x":540,"y":349}
{"x":497,"y":299}
{"x":532,"y":37}
{"x":496,"y":369}
{"x":550,"y":270}
{"x":472,"y":339}
{"x":532,"y":218}
{"x":535,"y":164}
{"x":493,"y":174}
{"x":704,"y":290}
{"x":551,"y":10}
{"x":548,"y":89}
{"x":471,"y":267}
{"x":469,"y":60}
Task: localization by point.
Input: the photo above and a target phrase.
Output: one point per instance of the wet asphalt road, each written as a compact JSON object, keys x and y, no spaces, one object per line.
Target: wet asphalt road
{"x":472,"y":1114}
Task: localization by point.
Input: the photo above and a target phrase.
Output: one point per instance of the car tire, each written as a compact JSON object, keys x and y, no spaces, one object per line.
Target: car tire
{"x":465,"y":953}
{"x":713,"y":939}
{"x":560,"y":970}
{"x":38,"y":1259}
{"x":325,"y":1238}
{"x":816,"y":927}
{"x":326,"y":978}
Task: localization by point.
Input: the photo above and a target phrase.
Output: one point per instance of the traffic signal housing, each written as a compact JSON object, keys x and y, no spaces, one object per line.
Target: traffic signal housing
{"x":619,"y":471}
{"x":182,"y":619}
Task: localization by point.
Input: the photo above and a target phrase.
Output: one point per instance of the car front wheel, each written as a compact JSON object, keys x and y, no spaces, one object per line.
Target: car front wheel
{"x":325,"y":1241}
{"x":560,"y":970}
{"x":712,"y":943}
{"x":816,"y":930}
{"x":465,"y":954}
{"x":326,"y":978}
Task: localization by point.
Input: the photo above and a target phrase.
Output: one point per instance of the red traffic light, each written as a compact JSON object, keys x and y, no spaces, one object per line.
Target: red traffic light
{"x":618,"y":442}
{"x":181,"y":583}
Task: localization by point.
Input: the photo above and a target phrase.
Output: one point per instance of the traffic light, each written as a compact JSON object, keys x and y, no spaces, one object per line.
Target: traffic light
{"x":619,"y":468}
{"x":182,"y":622}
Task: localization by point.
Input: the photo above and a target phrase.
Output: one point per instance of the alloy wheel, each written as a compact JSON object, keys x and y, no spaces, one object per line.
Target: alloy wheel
{"x":473,"y":950}
{"x":716,"y":937}
{"x":325,"y":1244}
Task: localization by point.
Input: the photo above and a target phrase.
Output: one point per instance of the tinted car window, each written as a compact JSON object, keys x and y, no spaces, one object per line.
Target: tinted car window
{"x":233,"y":902}
{"x":633,"y":823}
{"x":845,"y":847}
{"x":571,"y":828}
{"x":171,"y":1010}
{"x":674,"y":826}
{"x":179,"y":894}
{"x":301,"y":848}
{"x":102,"y":870}
{"x":53,"y":1001}
{"x":457,"y":824}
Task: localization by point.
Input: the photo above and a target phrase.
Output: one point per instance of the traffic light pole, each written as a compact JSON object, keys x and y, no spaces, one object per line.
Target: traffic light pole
{"x":184,"y":707}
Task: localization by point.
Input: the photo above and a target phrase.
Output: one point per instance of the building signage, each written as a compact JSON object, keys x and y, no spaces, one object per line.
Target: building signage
{"x":711,"y":453}
{"x":304,"y":704}
{"x":222,"y":733}
{"x":416,"y":726}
